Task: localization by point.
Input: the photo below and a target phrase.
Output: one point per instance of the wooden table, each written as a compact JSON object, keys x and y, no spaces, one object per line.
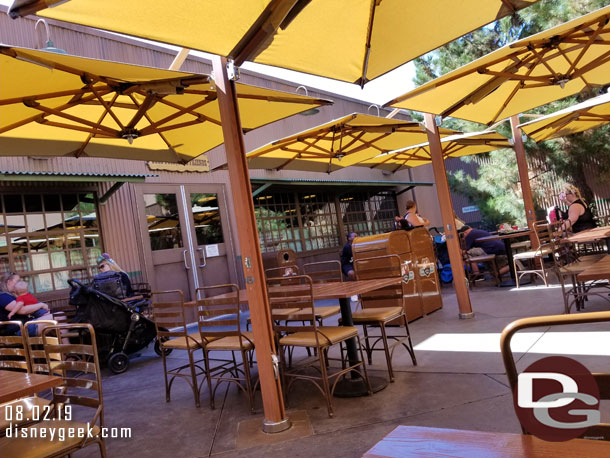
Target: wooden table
{"x":14,"y":385}
{"x":591,"y":235}
{"x":342,"y":291}
{"x":417,"y":441}
{"x":506,"y":238}
{"x":598,"y":271}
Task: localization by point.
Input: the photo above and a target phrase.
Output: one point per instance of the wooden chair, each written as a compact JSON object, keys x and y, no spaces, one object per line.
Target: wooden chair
{"x":14,"y":353}
{"x":567,"y":264}
{"x":35,"y":345}
{"x":80,"y":393}
{"x":220,"y":329}
{"x":383,"y":307}
{"x":169,"y":314}
{"x":488,"y":259}
{"x":285,"y":293}
{"x":535,"y":258}
{"x":603,"y":379}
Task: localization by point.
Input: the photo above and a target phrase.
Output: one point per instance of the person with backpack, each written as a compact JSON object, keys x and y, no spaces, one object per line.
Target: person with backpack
{"x":111,"y":273}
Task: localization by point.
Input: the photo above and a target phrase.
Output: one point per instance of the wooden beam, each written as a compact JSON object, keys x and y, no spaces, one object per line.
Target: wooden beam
{"x":526,"y":190}
{"x":447,"y":214}
{"x":252,"y":262}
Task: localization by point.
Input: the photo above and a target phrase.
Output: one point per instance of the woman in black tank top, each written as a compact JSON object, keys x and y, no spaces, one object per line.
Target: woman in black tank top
{"x":579,"y":216}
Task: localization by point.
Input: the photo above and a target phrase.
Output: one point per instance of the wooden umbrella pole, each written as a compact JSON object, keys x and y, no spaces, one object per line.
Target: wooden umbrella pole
{"x":447,"y":214}
{"x":252,"y":262}
{"x":524,"y":178}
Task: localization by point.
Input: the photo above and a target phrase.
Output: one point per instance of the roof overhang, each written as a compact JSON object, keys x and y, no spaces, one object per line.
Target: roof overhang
{"x":88,"y":177}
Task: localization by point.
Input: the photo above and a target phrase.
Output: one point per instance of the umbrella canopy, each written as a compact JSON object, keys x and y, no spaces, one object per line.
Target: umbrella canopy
{"x":523,"y":75}
{"x":348,"y":40}
{"x":452,"y":146}
{"x":339,"y":143}
{"x":591,"y":113}
{"x":60,"y":105}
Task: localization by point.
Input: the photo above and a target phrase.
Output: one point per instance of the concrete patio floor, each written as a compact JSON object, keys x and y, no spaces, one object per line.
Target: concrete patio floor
{"x":459,"y":383}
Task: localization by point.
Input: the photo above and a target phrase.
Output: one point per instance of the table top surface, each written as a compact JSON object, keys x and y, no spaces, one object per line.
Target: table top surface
{"x":590,"y":235}
{"x":417,"y":441}
{"x":507,"y":235}
{"x":598,"y":271}
{"x":14,"y":385}
{"x":330,"y":290}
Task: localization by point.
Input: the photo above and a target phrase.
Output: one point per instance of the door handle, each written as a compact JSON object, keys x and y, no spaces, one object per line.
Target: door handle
{"x":184,"y":257}
{"x":203,"y":257}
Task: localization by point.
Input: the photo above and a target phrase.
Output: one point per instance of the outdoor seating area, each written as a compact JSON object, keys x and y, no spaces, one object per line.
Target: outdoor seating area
{"x":212,"y":243}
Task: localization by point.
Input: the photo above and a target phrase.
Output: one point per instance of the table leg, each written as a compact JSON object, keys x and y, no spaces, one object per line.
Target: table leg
{"x":511,"y":267}
{"x":354,"y":386}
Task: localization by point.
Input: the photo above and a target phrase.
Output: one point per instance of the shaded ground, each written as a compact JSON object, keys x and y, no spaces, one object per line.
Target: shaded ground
{"x":459,"y":383}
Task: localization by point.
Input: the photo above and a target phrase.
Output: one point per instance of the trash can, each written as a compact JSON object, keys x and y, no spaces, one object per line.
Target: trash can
{"x":426,"y":274}
{"x":395,"y":242}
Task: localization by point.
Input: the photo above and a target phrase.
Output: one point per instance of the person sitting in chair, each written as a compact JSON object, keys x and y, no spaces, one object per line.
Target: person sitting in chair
{"x":475,"y":247}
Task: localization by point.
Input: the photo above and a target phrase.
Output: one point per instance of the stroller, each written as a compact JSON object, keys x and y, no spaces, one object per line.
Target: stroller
{"x":120,"y":328}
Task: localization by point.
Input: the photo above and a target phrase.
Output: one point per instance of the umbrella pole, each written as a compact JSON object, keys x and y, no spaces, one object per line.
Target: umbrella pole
{"x":275,"y":419}
{"x":447,"y":214}
{"x":524,"y":178}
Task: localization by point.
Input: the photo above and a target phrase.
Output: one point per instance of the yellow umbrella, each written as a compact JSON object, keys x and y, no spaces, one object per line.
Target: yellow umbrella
{"x":339,"y":143}
{"x":61,"y":105}
{"x":592,"y":113}
{"x":523,"y":75}
{"x":452,"y":146}
{"x":348,"y":40}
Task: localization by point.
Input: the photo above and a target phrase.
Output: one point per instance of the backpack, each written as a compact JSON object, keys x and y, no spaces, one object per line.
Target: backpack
{"x":110,"y":283}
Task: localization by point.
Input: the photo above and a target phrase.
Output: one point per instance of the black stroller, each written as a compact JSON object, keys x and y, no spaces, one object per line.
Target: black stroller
{"x":120,"y":328}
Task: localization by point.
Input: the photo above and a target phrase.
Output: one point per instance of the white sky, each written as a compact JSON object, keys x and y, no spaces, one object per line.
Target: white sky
{"x":378,"y":91}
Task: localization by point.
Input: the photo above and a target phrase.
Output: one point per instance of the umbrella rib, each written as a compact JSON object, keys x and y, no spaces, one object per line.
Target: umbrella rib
{"x":367,"y":45}
{"x":49,"y":95}
{"x":81,"y":149}
{"x":133,"y":99}
{"x":147,"y":103}
{"x":107,"y":106}
{"x":62,"y":125}
{"x":305,"y":153}
{"x":61,"y":114}
{"x":601,"y":60}
{"x":543,"y":61}
{"x":289,"y":99}
{"x":199,"y":115}
{"x":594,"y":35}
{"x":172,"y":127}
{"x":180,"y":112}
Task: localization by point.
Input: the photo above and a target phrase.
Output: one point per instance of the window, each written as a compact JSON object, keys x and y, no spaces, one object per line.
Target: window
{"x":49,"y":238}
{"x":163,"y":221}
{"x":308,"y":220}
{"x":368,"y":212}
{"x":206,"y":216}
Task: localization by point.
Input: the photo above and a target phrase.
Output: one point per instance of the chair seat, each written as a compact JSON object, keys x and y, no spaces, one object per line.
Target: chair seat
{"x":27,"y":405}
{"x":519,"y":245}
{"x":180,"y":342}
{"x":376,"y":314}
{"x":320,"y":312}
{"x":35,"y":446}
{"x":327,"y":335}
{"x":232,"y":343}
{"x":485,"y":258}
{"x":533,"y":253}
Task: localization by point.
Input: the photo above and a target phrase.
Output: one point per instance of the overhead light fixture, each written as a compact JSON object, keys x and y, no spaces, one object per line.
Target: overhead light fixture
{"x":49,"y":45}
{"x":311,"y":111}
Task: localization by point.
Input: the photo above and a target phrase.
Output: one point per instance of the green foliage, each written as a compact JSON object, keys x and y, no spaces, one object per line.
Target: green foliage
{"x":495,"y":191}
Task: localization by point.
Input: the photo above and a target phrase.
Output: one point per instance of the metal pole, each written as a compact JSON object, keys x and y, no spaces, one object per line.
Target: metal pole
{"x":447,"y":214}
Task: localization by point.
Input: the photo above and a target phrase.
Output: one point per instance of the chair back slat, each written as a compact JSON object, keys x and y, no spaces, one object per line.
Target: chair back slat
{"x":79,"y":366}
{"x":14,"y":354}
{"x":292,"y":293}
{"x":378,"y":267}
{"x":324,"y":271}
{"x":169,"y":316}
{"x":218,"y":312}
{"x":38,"y":360}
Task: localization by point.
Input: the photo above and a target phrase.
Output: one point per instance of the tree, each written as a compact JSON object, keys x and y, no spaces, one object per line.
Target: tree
{"x":495,"y":190}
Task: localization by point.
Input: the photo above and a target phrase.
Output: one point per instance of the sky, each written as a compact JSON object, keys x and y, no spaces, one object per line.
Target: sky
{"x":378,"y":91}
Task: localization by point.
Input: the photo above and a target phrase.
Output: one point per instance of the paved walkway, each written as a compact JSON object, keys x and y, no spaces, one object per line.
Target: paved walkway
{"x":459,"y":383}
